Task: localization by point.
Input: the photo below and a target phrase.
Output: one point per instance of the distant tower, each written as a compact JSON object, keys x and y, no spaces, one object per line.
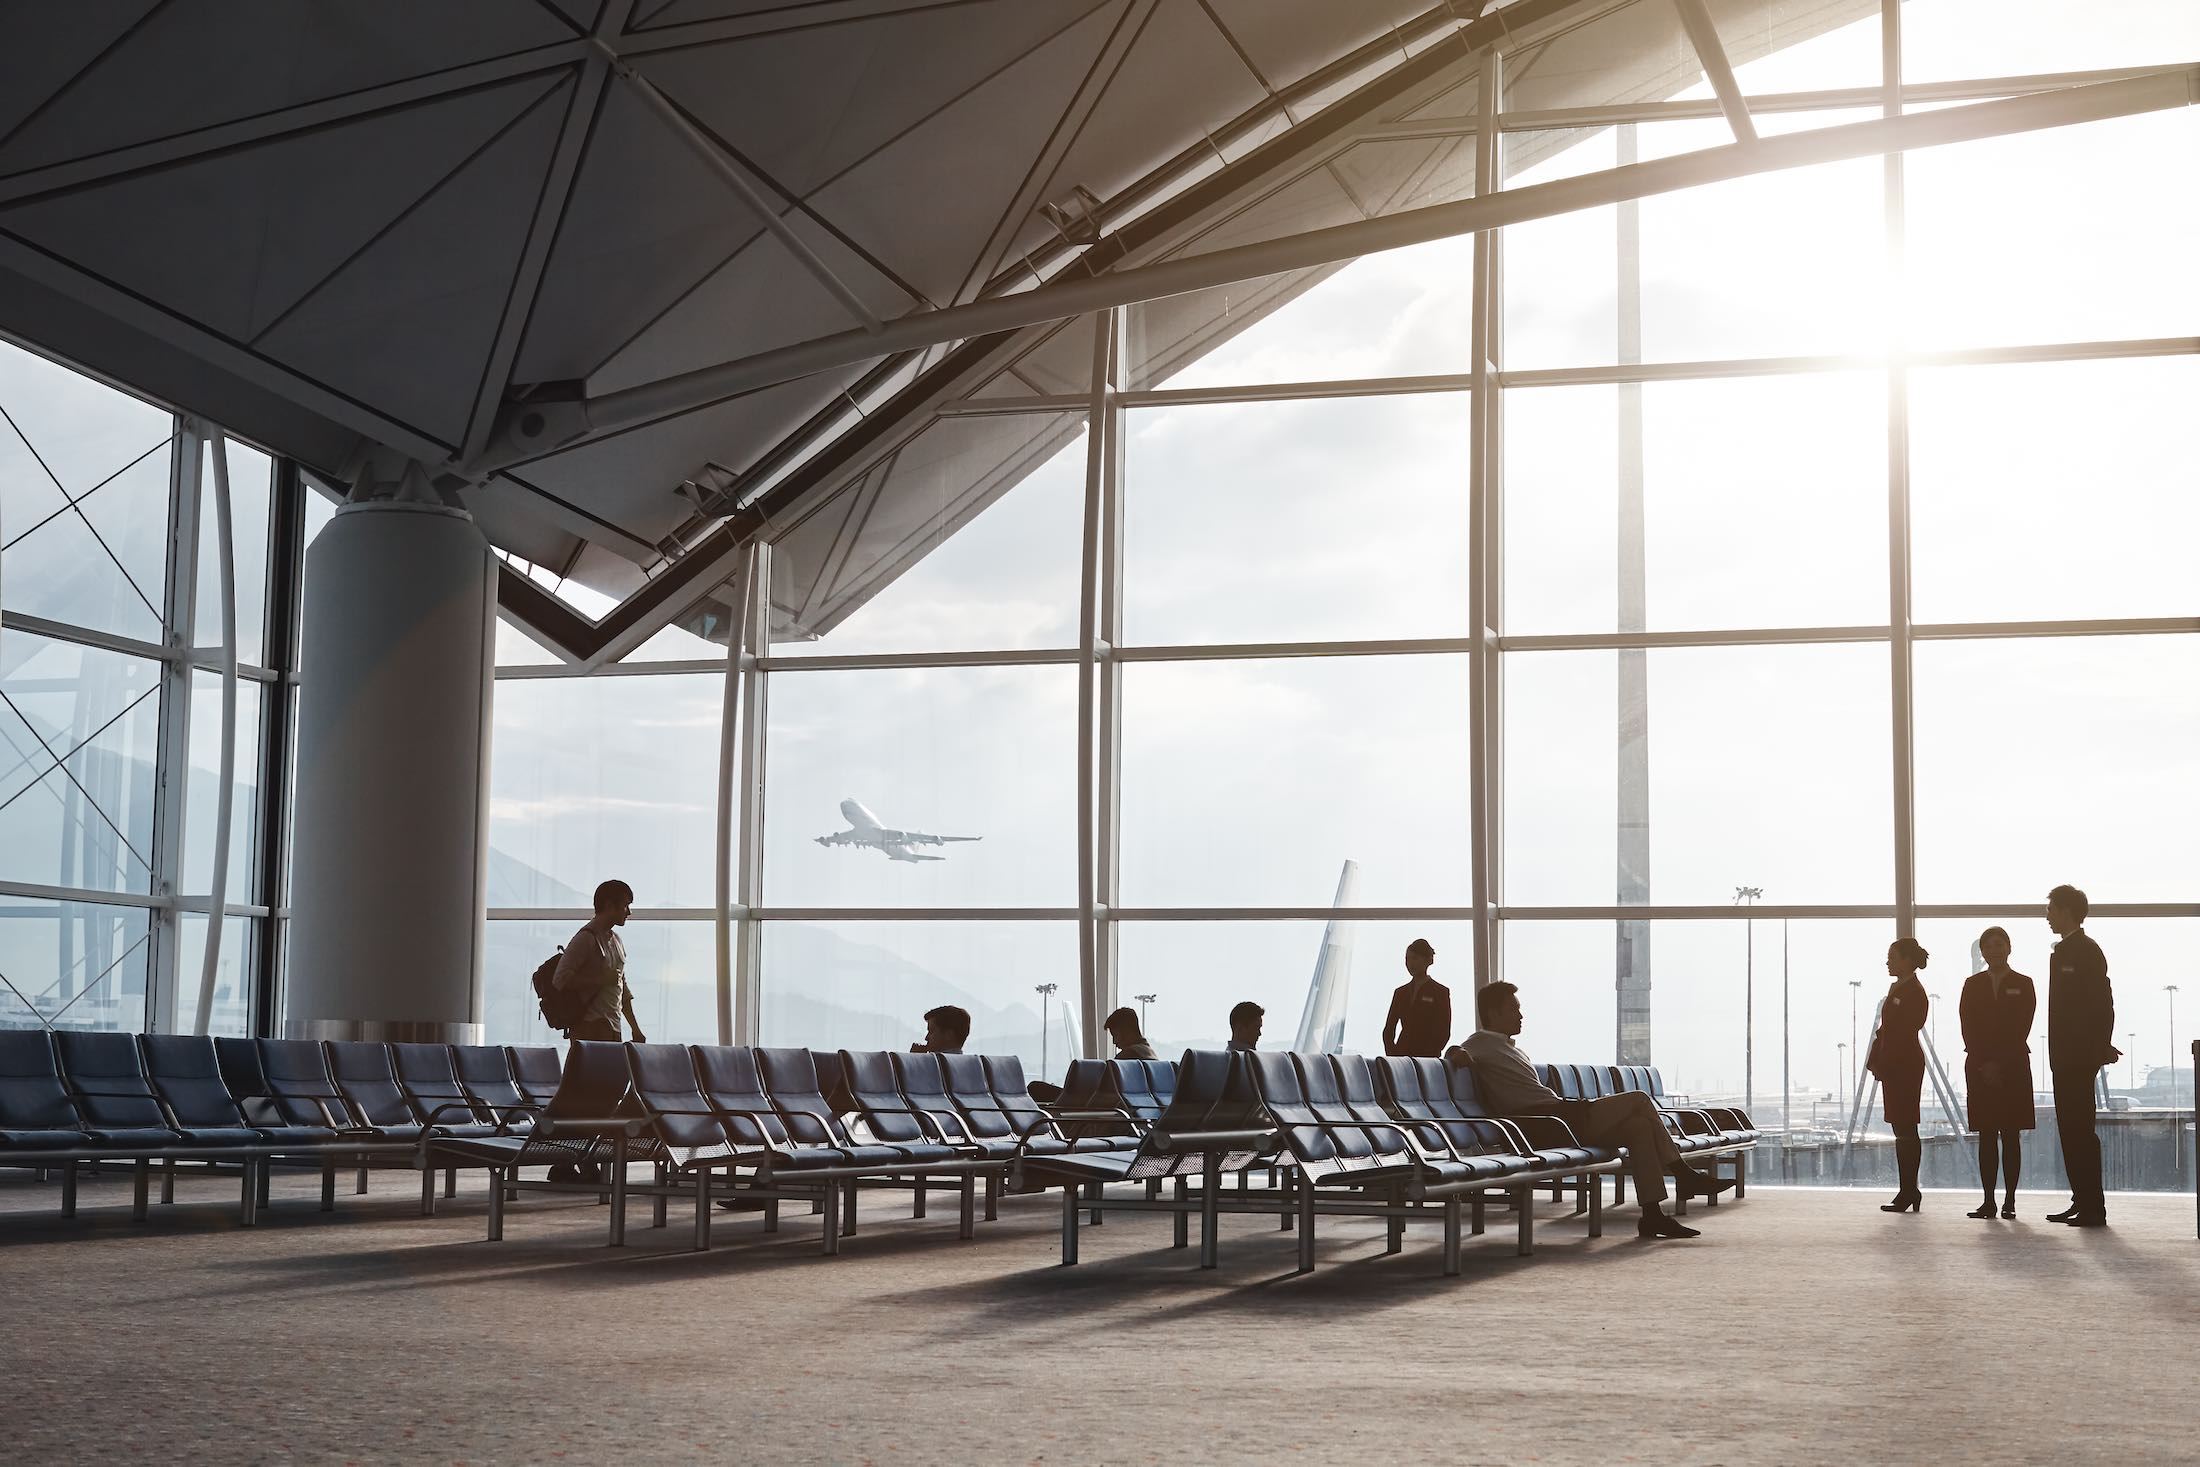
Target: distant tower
{"x":1321,"y":1024}
{"x":1631,"y":959}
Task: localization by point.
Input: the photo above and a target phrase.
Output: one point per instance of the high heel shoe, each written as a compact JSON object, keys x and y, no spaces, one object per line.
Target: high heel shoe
{"x":1984,"y":1209}
{"x":2009,"y":1208}
{"x":1903,"y":1202}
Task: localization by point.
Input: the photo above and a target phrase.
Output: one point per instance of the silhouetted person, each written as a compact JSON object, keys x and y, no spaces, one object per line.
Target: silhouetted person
{"x":946,"y":1031}
{"x":1130,"y":1043}
{"x":2081,"y":1022}
{"x":1419,"y":1022}
{"x":1997,"y":1008}
{"x":1245,"y":1025}
{"x":1898,"y":1059}
{"x":1506,"y":1079}
{"x":595,"y":964}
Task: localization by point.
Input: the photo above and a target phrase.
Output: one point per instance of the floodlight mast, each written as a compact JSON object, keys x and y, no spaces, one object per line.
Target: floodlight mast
{"x":1046,"y":1006}
{"x":1743,"y":897}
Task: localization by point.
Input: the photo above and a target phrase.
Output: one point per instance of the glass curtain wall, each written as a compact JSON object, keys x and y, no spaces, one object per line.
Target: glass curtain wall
{"x":114,"y":701}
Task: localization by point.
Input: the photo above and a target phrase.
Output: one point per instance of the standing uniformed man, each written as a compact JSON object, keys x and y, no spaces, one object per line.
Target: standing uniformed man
{"x":2081,"y":1023}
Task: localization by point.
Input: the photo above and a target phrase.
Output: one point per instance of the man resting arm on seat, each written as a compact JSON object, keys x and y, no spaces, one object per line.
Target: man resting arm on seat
{"x":1506,"y":1078}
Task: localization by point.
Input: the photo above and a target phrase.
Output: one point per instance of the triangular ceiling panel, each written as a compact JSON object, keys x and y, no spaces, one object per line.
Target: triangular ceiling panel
{"x":288,"y":212}
{"x":196,"y":63}
{"x":406,"y":326}
{"x":1180,"y":80}
{"x":1317,"y":35}
{"x":70,"y":38}
{"x":974,"y":153}
{"x":647,"y":220}
{"x":761,"y":298}
{"x":806,"y":105}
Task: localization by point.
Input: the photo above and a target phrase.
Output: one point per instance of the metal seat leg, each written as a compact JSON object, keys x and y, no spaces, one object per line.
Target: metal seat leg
{"x":496,"y":1203}
{"x":141,"y":1178}
{"x":1451,"y":1237}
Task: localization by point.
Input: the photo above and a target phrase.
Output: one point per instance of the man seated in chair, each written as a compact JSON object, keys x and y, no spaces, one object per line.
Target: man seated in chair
{"x":1506,"y":1079}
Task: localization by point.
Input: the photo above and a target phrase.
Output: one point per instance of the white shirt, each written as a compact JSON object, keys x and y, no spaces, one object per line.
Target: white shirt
{"x":1506,"y":1076}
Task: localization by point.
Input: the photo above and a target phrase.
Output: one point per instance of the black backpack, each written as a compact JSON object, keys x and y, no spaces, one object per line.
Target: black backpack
{"x":561,"y":1007}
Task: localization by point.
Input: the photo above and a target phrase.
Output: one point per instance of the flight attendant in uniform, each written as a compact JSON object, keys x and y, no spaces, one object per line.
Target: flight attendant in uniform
{"x":1898,"y":1059}
{"x":1419,"y":1022}
{"x":1997,"y":1008}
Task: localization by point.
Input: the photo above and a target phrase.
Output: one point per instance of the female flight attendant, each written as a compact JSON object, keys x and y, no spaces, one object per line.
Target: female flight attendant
{"x":1899,"y":1061}
{"x":1997,"y":1008}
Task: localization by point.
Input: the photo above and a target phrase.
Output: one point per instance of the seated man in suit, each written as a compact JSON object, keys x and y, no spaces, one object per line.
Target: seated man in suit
{"x":1506,"y":1078}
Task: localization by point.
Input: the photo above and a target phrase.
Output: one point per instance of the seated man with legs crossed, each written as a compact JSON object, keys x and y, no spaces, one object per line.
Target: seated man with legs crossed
{"x":1506,"y":1079}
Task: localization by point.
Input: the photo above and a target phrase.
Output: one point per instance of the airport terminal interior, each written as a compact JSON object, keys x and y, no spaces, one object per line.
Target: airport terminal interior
{"x":1100,"y":730}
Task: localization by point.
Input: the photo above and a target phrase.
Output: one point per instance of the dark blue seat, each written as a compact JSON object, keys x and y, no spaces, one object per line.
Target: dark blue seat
{"x":922,"y":1080}
{"x":37,"y":1113}
{"x":428,"y":1077}
{"x":791,"y":1080}
{"x":186,"y":1074}
{"x":113,"y":1097}
{"x":295,"y":1072}
{"x":485,"y":1077}
{"x":536,"y":1070}
{"x":366,"y":1075}
{"x":664,"y":1081}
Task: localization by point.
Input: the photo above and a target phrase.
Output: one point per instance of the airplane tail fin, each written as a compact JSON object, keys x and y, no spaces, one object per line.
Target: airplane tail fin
{"x":1321,"y":1024}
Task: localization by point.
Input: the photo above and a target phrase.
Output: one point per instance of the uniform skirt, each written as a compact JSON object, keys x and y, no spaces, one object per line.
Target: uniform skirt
{"x":1898,"y":1095}
{"x":2003,"y":1102}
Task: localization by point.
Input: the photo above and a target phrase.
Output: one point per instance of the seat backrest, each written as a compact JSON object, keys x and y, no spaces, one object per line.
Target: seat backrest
{"x":536,"y":1070}
{"x":108,"y":1079}
{"x":428,"y":1077}
{"x":664,"y":1081}
{"x":593,"y":1083}
{"x":1214,"y":1090}
{"x":869,"y":1075}
{"x":1560,"y":1078}
{"x":1004,"y":1076}
{"x":1398,"y":1087}
{"x":832,"y":1081}
{"x":790,"y":1079}
{"x":735,"y":1089}
{"x":922,"y":1081}
{"x":32,"y":1097}
{"x":982,"y":1112}
{"x":1465,"y":1094}
{"x":1356,"y":1081}
{"x":485,"y":1075}
{"x":1655,"y":1081}
{"x":1283,"y":1093}
{"x":1596,"y":1081}
{"x":365,"y":1072}
{"x":298,"y":1079}
{"x":1324,"y":1088}
{"x":1161,"y":1079}
{"x":185,"y":1071}
{"x":1133,"y":1081}
{"x":1089,"y":1085}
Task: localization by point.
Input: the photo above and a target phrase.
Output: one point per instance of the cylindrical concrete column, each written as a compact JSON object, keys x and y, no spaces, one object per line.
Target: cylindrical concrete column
{"x":389,"y":865}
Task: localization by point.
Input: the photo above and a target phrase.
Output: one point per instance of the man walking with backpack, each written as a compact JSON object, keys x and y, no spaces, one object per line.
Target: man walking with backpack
{"x":588,"y":992}
{"x":591,"y":973}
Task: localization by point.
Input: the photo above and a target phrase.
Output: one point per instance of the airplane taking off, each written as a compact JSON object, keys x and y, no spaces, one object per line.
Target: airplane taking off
{"x":864,"y":830}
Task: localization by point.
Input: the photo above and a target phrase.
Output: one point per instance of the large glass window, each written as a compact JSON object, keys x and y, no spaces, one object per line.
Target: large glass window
{"x":601,"y":778}
{"x":1764,"y":767}
{"x":669,"y":968}
{"x":1672,"y":506}
{"x":79,"y":735}
{"x":1322,"y":520}
{"x":867,"y":768}
{"x":2051,"y":759}
{"x":867,"y":985}
{"x":73,"y":965}
{"x":1259,"y":783}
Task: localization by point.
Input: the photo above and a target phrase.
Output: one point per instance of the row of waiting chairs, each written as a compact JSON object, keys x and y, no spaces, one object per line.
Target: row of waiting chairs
{"x":1396,"y":1138}
{"x":69,"y":1097}
{"x":727,"y":1124}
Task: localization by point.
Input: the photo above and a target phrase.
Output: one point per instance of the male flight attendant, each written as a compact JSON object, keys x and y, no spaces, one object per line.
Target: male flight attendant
{"x":2081,"y":1019}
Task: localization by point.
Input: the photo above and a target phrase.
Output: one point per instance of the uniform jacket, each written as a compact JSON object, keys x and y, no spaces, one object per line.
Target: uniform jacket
{"x":2081,"y":1007}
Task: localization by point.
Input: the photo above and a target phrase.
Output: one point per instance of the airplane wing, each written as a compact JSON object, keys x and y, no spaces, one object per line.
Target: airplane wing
{"x":920,"y":838}
{"x":896,"y":851}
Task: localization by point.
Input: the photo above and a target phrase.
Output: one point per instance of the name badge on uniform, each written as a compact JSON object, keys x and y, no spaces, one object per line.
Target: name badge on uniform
{"x":1893,"y":1001}
{"x":2013,"y":991}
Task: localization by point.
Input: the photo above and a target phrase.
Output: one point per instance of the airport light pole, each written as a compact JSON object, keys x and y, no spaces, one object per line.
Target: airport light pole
{"x":1787,"y":1151}
{"x":1143,"y":1000}
{"x":2131,"y":1059}
{"x":1046,"y":1005}
{"x":1743,"y":896}
{"x":1856,"y":992}
{"x":2176,"y":1125}
{"x":1841,"y":1095}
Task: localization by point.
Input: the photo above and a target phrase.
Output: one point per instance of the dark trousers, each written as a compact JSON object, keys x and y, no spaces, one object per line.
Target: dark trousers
{"x":2081,"y":1146}
{"x":594,"y":1029}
